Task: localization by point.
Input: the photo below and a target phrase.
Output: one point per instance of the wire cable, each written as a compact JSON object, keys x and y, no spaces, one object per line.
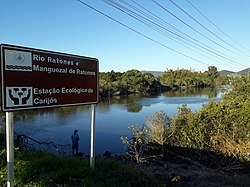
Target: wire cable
{"x":218,"y":27}
{"x":195,"y":30}
{"x":141,"y":34}
{"x":192,"y":41}
{"x":154,"y":26}
{"x":175,"y":4}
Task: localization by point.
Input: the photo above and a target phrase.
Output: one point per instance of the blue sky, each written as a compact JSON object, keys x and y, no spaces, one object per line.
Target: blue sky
{"x":71,"y":27}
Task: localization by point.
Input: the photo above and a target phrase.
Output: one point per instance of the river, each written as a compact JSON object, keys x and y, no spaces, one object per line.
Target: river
{"x":113,"y":117}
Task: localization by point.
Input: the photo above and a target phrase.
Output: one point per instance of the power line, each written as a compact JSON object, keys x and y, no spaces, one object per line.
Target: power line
{"x":159,"y":20}
{"x":143,"y":35}
{"x":218,"y":27}
{"x":195,"y":30}
{"x":175,"y":4}
{"x":176,"y":37}
{"x":154,"y":26}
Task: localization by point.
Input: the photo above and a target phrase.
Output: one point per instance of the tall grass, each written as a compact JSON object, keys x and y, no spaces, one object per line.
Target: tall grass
{"x":37,"y":168}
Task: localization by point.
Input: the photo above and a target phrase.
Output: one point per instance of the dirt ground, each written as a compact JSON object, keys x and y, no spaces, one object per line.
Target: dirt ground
{"x":183,"y":174}
{"x":187,"y":167}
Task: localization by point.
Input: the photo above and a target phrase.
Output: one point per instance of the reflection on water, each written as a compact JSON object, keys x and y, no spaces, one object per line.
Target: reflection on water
{"x":113,"y":116}
{"x":209,"y":92}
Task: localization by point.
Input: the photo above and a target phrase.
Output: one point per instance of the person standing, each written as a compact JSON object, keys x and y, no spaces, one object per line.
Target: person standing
{"x":75,"y":139}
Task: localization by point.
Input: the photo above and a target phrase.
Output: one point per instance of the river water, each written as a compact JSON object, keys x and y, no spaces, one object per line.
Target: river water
{"x":113,"y":117}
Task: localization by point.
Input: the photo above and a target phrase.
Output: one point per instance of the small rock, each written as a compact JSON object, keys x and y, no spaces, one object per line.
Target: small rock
{"x":107,"y":154}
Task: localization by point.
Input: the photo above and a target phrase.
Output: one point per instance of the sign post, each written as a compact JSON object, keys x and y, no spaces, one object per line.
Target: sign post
{"x":34,"y":79}
{"x":10,"y":149}
{"x":92,"y":137}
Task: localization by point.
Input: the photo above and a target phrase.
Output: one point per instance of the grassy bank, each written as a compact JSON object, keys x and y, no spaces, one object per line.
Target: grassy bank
{"x":37,"y":168}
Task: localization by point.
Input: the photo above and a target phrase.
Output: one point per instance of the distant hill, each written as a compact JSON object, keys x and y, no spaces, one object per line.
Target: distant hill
{"x":223,"y":72}
{"x":155,"y":73}
{"x":226,"y":72}
{"x":242,"y":72}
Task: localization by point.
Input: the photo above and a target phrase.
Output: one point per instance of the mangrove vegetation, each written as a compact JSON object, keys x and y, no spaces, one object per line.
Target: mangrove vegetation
{"x":135,"y":81}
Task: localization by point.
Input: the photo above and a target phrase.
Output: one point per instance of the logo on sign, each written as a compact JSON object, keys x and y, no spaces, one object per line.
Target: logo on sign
{"x":18,"y":60}
{"x":19,"y":96}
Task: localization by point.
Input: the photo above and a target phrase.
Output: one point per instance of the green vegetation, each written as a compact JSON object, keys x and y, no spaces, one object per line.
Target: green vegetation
{"x":188,"y":78}
{"x":44,"y":169}
{"x":221,"y":127}
{"x":134,"y":81}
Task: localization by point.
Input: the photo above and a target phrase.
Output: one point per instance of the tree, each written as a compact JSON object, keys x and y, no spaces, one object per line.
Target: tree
{"x":189,"y":78}
{"x":159,"y":128}
{"x":211,"y":75}
{"x":108,"y":83}
{"x":133,"y":80}
{"x":213,"y":72}
{"x":168,"y":78}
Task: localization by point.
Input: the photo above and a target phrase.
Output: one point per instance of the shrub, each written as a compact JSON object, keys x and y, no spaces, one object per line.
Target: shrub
{"x":159,"y":127}
{"x":220,"y":126}
{"x":138,"y":144}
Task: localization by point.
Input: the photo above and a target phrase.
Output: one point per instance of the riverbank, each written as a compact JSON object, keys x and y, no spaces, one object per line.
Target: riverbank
{"x":176,"y":166}
{"x":38,"y":168}
{"x":45,"y":169}
{"x":179,"y":167}
{"x":187,"y":174}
